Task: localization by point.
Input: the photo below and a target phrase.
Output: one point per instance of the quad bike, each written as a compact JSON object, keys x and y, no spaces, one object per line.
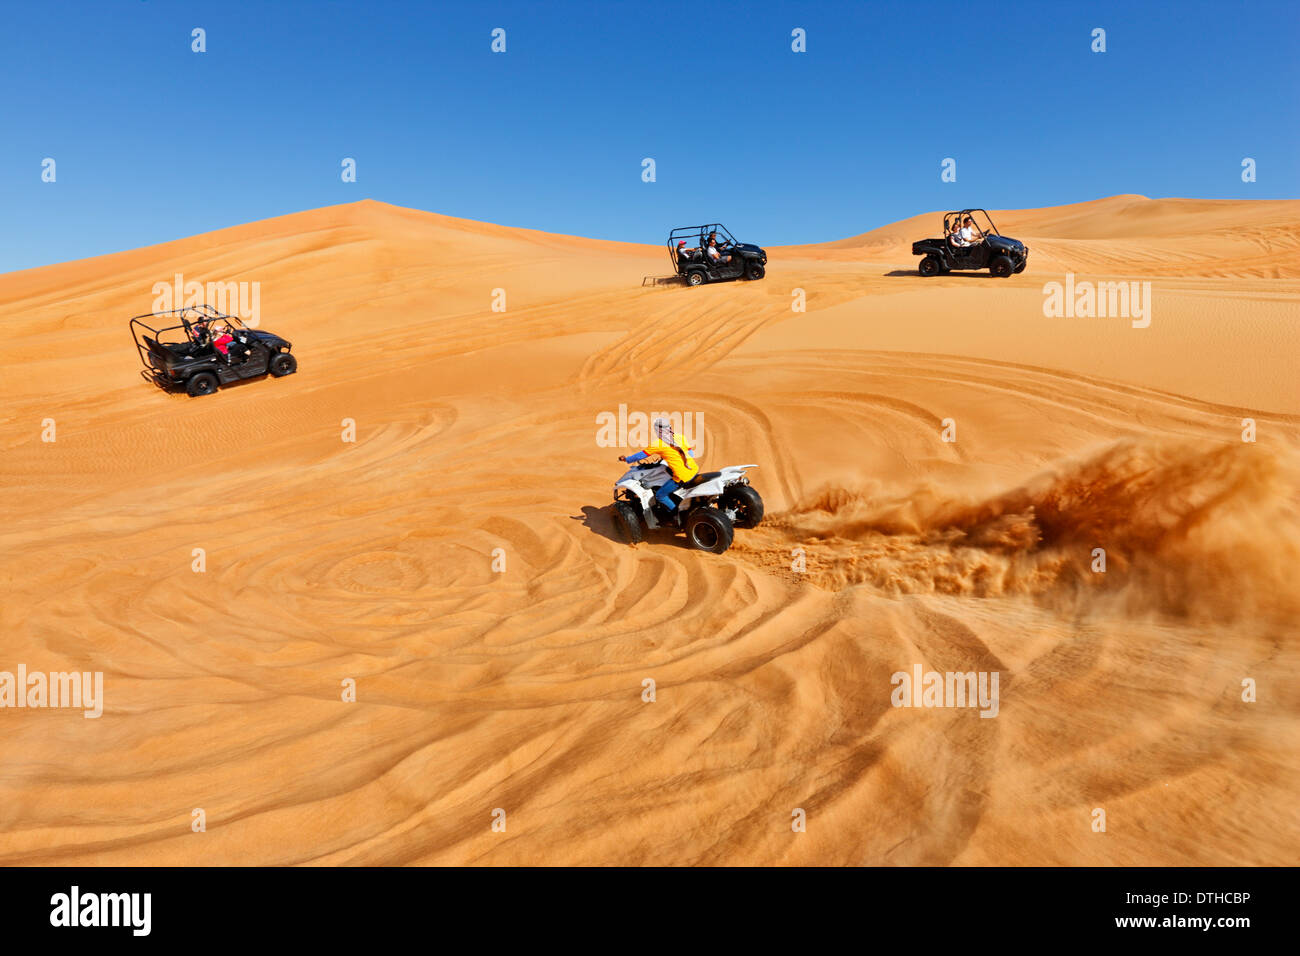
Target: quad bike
{"x":711,"y":506}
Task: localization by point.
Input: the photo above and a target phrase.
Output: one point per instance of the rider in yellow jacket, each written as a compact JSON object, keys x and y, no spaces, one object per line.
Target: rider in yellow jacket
{"x":675,"y":452}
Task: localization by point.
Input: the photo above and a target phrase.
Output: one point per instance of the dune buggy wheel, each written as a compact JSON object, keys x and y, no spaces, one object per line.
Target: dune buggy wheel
{"x":1020,"y":267}
{"x":745,"y":503}
{"x":709,"y":530}
{"x":930,"y":266}
{"x":627,"y":520}
{"x":1000,"y":267}
{"x":201,"y":383}
{"x":694,"y":278}
{"x":755,"y":271}
{"x":283,"y":363}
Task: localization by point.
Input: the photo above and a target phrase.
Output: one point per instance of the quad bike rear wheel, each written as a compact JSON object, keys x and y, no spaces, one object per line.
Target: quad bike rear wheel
{"x":745,"y":503}
{"x":627,"y":521}
{"x":695,"y":278}
{"x":930,"y":266}
{"x":708,"y":529}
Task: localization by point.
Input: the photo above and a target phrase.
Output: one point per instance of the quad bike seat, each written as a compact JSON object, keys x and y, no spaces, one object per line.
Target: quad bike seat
{"x":702,"y":477}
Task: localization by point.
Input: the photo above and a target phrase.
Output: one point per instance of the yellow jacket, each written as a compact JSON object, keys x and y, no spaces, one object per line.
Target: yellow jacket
{"x":682,"y":466}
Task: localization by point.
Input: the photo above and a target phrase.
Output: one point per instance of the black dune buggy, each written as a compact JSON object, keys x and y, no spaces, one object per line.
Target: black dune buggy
{"x":990,"y":250}
{"x":688,"y":249}
{"x":187,"y":354}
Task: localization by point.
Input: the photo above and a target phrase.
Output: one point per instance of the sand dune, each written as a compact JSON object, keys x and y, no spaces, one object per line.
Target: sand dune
{"x":1129,"y":235}
{"x":522,"y":690}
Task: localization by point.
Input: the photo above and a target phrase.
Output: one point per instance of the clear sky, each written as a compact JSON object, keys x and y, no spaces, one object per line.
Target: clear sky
{"x":154,"y":142}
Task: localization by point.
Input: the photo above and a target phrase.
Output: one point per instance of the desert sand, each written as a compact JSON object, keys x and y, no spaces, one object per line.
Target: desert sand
{"x":521,"y":689}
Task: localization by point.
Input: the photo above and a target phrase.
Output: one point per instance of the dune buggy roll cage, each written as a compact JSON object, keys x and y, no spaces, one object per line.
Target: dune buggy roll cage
{"x":188,"y":316}
{"x":700,"y":233}
{"x":959,"y":216}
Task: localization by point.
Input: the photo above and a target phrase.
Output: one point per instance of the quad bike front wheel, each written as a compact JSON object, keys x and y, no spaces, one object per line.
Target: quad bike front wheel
{"x":744,"y":504}
{"x":755,"y":271}
{"x":627,"y":521}
{"x":283,"y":363}
{"x":1000,"y":267}
{"x":709,"y":530}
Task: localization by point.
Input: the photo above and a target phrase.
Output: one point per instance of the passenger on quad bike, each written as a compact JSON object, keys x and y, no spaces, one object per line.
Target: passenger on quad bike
{"x":675,"y":452}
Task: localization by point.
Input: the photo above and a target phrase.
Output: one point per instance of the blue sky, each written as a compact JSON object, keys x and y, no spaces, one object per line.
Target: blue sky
{"x":154,"y":142}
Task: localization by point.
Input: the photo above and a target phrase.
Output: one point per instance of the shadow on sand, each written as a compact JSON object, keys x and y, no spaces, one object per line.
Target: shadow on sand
{"x":912,"y":273}
{"x":600,"y":521}
{"x":177,"y":391}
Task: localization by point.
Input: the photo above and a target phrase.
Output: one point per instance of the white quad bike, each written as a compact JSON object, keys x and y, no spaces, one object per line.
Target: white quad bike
{"x":711,"y":507}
